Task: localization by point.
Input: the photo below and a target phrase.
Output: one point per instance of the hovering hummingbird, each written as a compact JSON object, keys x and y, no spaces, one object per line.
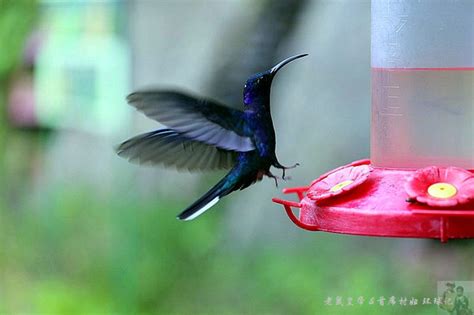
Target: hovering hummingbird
{"x":203,"y":134}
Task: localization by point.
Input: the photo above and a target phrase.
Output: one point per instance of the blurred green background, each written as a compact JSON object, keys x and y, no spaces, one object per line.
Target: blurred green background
{"x":84,"y":232}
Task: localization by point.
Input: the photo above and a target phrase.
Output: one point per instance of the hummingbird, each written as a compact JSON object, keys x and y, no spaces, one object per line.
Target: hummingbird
{"x":203,"y":134}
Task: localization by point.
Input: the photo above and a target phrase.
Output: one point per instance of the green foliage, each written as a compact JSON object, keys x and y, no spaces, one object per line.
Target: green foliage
{"x":16,"y":21}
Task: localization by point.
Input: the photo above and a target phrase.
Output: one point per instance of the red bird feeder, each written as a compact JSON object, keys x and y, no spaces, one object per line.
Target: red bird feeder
{"x":420,"y":180}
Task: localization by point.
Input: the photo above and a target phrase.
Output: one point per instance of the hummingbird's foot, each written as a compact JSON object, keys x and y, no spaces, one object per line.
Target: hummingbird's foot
{"x":284,"y":168}
{"x":284,"y":177}
{"x":275,"y":178}
{"x":290,"y":167}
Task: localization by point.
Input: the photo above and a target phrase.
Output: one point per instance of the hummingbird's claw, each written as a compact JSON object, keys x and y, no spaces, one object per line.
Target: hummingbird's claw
{"x":284,"y":168}
{"x":292,"y":166}
{"x":278,"y":165}
{"x":276,"y":178}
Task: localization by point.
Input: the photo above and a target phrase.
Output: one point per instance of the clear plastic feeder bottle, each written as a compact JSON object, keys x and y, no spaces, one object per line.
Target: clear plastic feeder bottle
{"x":422,"y":83}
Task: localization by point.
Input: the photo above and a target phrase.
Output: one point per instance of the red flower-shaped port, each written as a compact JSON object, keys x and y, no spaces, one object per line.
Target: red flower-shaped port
{"x":338,"y":182}
{"x":441,"y":186}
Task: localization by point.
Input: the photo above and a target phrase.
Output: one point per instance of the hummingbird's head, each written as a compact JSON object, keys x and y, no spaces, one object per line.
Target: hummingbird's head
{"x":258,"y":85}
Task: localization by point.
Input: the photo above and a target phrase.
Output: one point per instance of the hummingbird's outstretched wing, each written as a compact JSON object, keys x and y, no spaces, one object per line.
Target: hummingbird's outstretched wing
{"x":170,"y":148}
{"x":199,"y":119}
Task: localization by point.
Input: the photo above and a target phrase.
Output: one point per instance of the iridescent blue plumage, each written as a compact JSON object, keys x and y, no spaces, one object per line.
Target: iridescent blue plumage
{"x":204,"y":135}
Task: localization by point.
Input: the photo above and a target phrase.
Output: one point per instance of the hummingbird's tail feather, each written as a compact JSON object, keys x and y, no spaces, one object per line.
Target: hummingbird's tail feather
{"x":205,"y":202}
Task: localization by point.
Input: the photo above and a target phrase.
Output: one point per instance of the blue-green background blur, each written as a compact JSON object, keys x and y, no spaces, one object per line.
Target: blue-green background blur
{"x":85,"y":232}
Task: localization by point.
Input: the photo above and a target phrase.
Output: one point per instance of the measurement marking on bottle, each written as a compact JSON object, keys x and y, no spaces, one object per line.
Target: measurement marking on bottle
{"x":390,"y":114}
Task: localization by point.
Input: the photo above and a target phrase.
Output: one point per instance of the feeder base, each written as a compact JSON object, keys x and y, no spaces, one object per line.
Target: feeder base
{"x":380,"y":209}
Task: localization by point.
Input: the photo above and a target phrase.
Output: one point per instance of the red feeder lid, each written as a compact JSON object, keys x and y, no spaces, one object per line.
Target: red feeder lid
{"x":361,"y":200}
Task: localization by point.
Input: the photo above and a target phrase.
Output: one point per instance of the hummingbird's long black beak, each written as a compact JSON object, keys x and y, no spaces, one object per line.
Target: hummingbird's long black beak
{"x":280,"y":65}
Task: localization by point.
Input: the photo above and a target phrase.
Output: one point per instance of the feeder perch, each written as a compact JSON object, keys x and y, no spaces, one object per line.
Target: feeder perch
{"x":419,"y":181}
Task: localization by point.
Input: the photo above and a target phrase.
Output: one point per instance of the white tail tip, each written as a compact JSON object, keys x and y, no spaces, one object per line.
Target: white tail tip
{"x":203,"y":209}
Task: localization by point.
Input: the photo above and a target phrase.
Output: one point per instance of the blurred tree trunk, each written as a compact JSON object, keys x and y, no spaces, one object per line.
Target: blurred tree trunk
{"x":257,"y":48}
